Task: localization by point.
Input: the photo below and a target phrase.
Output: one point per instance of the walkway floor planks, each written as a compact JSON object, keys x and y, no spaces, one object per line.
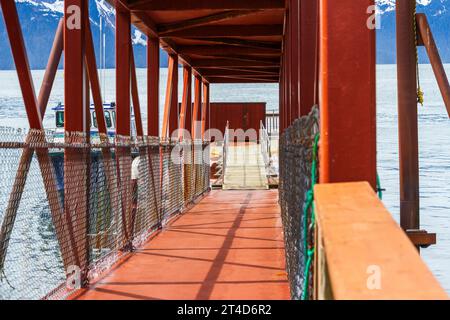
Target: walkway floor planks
{"x":229,"y":246}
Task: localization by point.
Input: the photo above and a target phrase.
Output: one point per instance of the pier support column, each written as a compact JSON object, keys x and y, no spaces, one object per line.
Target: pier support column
{"x":294,"y":58}
{"x":123,"y":121}
{"x":186,"y":107}
{"x":196,"y":116}
{"x":168,"y":105}
{"x":153,"y":87}
{"x":205,"y":109}
{"x":309,"y":27}
{"x":174,"y":117}
{"x":298,"y":90}
{"x":407,"y":116}
{"x":123,"y":72}
{"x":76,"y":125}
{"x":347,"y":92}
{"x":282,"y":93}
{"x":288,"y":71}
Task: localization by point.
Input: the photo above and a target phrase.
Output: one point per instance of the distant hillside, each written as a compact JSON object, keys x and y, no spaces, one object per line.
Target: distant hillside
{"x":438,"y":16}
{"x":39,"y":19}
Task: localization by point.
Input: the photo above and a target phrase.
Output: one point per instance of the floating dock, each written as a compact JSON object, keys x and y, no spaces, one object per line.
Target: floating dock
{"x":245,"y":168}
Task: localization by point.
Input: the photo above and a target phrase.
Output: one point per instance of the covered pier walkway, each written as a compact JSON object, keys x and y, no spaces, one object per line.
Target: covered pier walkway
{"x":229,"y":246}
{"x":83,"y":210}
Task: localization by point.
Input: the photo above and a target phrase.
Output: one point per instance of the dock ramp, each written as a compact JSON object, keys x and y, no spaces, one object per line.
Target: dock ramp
{"x":245,"y":168}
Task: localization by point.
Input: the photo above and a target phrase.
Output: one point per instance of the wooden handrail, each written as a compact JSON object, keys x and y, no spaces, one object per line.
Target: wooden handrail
{"x":362,"y":253}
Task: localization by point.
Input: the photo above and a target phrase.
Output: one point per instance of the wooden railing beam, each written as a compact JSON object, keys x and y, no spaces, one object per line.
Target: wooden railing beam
{"x":361,"y":251}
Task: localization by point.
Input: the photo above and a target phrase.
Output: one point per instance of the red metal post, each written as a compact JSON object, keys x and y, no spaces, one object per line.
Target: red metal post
{"x":76,"y":125}
{"x":74,"y":72}
{"x":407,"y":115}
{"x":294,"y":56}
{"x":205,"y":108}
{"x":285,"y":68}
{"x":196,"y":129}
{"x":153,"y":86}
{"x":186,"y":104}
{"x":123,"y":72}
{"x":281,"y":95}
{"x":174,"y":111}
{"x":188,"y":122}
{"x":309,"y":26}
{"x":168,"y":99}
{"x":288,"y":84}
{"x":347,"y":97}
{"x":123,"y":118}
{"x":283,"y":90}
{"x":208,"y":106}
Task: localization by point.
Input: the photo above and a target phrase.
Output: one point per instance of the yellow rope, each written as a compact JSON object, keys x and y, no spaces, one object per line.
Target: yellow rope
{"x":420,"y":93}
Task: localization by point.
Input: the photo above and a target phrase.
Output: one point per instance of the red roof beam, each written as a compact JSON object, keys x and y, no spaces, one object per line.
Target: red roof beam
{"x":205,"y":20}
{"x":227,"y":50}
{"x":176,"y":5}
{"x":257,"y":30}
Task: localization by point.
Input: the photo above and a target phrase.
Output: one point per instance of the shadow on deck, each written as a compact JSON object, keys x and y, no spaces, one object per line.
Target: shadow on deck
{"x":229,"y":246}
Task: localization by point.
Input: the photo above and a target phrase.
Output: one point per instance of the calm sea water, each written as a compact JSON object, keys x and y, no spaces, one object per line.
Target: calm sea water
{"x":434,"y":129}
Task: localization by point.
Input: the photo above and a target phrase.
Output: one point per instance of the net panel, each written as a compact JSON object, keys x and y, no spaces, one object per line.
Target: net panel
{"x":296,"y":150}
{"x":69,"y":210}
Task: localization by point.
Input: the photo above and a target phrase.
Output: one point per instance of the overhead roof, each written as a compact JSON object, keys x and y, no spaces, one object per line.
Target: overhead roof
{"x":225,"y":41}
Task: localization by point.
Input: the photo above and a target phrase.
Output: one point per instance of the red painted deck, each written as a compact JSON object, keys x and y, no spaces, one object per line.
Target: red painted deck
{"x":229,"y":246}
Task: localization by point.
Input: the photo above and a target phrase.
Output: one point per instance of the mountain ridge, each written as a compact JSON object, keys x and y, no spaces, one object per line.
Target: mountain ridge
{"x":39,"y":19}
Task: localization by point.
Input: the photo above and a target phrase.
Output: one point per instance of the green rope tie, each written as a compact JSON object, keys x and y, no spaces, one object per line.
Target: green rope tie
{"x":309,"y":208}
{"x":379,"y":189}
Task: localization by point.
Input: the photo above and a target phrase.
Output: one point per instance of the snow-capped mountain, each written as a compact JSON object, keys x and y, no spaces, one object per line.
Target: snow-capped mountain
{"x":39,"y":19}
{"x":438,"y":13}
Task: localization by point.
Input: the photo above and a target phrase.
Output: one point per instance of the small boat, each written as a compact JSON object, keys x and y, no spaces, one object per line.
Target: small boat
{"x":57,"y":155}
{"x":110,"y":118}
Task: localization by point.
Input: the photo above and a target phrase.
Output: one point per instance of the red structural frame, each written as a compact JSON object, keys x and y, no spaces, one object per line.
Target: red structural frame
{"x":325,"y":58}
{"x":347,"y":93}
